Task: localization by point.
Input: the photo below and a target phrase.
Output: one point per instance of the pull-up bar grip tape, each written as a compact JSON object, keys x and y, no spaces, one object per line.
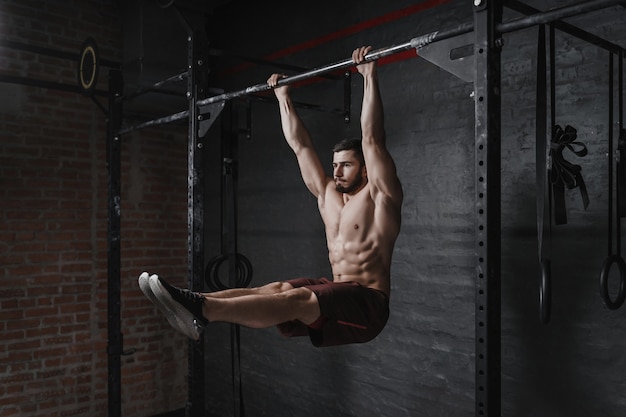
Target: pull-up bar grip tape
{"x":604,"y":282}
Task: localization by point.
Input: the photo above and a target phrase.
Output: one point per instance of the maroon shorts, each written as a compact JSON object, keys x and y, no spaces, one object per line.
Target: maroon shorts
{"x":350,"y":313}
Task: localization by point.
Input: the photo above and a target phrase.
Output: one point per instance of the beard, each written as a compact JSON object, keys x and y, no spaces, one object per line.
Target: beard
{"x":350,"y":187}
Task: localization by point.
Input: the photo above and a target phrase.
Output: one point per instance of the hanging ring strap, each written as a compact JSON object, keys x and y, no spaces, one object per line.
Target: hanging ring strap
{"x":621,"y":172}
{"x":239,"y":267}
{"x":621,"y":142}
{"x":542,"y":185}
{"x":613,"y":258}
{"x":564,"y":174}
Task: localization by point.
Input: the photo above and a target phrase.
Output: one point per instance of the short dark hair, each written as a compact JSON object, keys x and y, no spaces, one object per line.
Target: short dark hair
{"x":351,"y":145}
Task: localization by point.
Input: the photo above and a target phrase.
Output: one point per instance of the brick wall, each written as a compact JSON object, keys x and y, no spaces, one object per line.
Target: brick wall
{"x":53,"y":229}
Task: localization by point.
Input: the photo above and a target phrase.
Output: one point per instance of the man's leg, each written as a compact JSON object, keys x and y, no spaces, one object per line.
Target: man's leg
{"x":261,"y":310}
{"x":261,"y":307}
{"x":271,"y":288}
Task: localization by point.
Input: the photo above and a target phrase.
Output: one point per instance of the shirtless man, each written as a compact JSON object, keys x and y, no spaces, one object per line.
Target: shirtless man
{"x":360,"y":207}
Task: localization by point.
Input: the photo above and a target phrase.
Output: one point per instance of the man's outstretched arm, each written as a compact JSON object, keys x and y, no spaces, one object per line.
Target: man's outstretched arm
{"x":299,"y":140}
{"x":381,"y":169}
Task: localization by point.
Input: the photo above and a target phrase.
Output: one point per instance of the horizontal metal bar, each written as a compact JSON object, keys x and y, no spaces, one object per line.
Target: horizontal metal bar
{"x":156,"y":122}
{"x":184,"y":114}
{"x":565,"y":27}
{"x":556,"y":14}
{"x":55,"y":53}
{"x":157,"y":87}
{"x":417,"y":42}
{"x":21,"y":46}
{"x":11,"y":79}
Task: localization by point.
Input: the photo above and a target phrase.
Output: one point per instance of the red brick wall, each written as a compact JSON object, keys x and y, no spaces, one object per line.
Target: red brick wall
{"x":53,"y":229}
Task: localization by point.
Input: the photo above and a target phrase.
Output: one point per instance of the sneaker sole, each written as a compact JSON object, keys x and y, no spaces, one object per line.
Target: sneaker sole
{"x":144,"y":286}
{"x":185,"y":321}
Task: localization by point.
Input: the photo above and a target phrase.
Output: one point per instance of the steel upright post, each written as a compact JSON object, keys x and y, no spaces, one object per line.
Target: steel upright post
{"x":487,"y":14}
{"x":197,"y":84}
{"x":114,"y":158}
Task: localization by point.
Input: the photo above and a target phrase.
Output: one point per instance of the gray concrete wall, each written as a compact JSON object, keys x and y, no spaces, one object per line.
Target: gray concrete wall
{"x":423,"y":362}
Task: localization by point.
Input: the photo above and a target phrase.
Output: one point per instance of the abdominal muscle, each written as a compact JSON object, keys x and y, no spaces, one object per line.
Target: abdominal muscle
{"x":356,"y":254}
{"x":360,"y":239}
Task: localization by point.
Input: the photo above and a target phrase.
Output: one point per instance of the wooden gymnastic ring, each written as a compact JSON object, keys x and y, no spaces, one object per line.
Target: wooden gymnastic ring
{"x":88,"y":66}
{"x":604,"y":282}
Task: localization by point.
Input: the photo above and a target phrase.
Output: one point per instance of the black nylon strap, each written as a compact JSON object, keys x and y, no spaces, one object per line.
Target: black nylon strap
{"x":230,"y":177}
{"x":235,"y":352}
{"x":564,"y":174}
{"x":621,"y":173}
{"x":613,"y":257}
{"x":542,"y":184}
{"x":235,"y":330}
{"x":621,"y":143}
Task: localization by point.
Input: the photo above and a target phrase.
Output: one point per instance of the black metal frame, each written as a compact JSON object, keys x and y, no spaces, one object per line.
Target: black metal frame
{"x":197,"y":87}
{"x":487,"y":101}
{"x":488,"y":31}
{"x":488,"y":28}
{"x":115,"y":343}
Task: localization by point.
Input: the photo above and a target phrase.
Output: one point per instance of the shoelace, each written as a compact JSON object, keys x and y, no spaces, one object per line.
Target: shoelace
{"x":191,"y":300}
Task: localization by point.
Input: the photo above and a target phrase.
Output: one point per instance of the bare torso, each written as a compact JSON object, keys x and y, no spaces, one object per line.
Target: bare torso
{"x":360,"y":237}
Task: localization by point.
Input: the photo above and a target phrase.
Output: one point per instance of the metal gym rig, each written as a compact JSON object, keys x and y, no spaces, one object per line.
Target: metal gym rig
{"x":488,"y":29}
{"x":481,"y":66}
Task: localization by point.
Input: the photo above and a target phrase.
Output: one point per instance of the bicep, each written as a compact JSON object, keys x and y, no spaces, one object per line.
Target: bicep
{"x":381,"y":173}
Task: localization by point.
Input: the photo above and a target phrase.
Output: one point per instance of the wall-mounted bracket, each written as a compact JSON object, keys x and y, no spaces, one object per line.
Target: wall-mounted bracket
{"x":207,"y":116}
{"x":455,"y":55}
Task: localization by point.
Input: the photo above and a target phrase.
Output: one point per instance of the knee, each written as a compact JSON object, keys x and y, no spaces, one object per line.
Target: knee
{"x":304,"y":302}
{"x":303,"y":295}
{"x":278,"y":287}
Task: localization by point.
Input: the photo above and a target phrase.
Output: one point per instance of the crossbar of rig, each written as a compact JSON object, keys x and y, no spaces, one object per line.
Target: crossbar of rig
{"x":421,"y":41}
{"x":414,"y":43}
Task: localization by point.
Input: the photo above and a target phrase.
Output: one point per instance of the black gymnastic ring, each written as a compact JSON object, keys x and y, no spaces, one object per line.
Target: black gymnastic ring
{"x":604,"y":282}
{"x":244,"y":272}
{"x":88,"y":66}
{"x":545,"y":291}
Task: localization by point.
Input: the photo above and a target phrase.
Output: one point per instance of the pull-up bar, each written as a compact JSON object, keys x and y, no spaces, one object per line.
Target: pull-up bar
{"x":417,"y":42}
{"x":421,"y":41}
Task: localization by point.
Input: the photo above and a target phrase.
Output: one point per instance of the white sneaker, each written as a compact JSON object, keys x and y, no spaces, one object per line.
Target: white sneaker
{"x":192,"y":331}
